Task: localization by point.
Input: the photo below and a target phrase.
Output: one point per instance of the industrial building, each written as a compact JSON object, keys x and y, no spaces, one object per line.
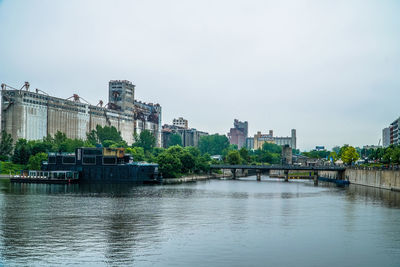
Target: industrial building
{"x":33,"y":115}
{"x":260,"y":139}
{"x":190,"y":136}
{"x":238,"y":134}
{"x":181,"y":122}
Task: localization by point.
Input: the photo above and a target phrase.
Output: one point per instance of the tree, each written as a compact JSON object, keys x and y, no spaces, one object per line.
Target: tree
{"x":213,"y":144}
{"x":6,"y":145}
{"x":59,"y":138}
{"x":21,"y":152}
{"x":244,"y":155}
{"x":107,"y":136}
{"x":146,"y":140}
{"x":341,"y":151}
{"x":35,"y":161}
{"x":349,"y":155}
{"x":233,"y":157}
{"x":273,"y":148}
{"x":40,"y":147}
{"x":137,"y":153}
{"x":193,"y":150}
{"x":333,"y":156}
{"x":169,"y":165}
{"x":175,"y":139}
{"x":188,"y":162}
{"x":396,"y":155}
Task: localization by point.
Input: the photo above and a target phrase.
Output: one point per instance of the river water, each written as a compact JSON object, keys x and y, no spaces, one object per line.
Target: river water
{"x":209,"y":223}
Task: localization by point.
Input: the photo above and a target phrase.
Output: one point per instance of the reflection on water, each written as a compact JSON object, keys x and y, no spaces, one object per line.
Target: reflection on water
{"x":218,"y":223}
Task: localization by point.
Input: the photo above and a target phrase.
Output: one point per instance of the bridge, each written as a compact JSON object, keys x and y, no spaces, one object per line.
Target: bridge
{"x":286,"y":168}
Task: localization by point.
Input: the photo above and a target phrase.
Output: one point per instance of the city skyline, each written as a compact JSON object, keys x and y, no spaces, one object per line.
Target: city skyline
{"x":335,"y":81}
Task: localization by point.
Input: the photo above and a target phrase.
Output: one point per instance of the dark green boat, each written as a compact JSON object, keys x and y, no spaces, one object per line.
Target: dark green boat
{"x":103,"y":165}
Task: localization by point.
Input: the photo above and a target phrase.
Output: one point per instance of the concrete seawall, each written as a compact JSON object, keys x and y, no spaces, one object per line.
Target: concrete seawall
{"x":187,"y":179}
{"x":384,"y":179}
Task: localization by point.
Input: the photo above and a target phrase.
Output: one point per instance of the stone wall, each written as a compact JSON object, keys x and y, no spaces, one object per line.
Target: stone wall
{"x":386,"y":179}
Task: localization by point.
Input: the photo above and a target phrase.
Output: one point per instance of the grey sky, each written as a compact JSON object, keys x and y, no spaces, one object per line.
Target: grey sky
{"x":330,"y":69}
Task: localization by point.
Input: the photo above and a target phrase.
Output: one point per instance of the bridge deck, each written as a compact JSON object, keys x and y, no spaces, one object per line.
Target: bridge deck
{"x":280,"y":167}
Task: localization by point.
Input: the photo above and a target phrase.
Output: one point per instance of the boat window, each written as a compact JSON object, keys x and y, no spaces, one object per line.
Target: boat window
{"x":52,"y":160}
{"x":68,"y":160}
{"x":109,"y":160}
{"x":89,"y":160}
{"x":92,"y":152}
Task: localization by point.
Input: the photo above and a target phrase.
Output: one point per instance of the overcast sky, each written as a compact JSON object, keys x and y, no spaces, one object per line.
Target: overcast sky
{"x":330,"y":69}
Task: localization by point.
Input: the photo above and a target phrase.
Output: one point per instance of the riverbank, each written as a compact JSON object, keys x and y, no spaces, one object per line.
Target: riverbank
{"x":188,"y":179}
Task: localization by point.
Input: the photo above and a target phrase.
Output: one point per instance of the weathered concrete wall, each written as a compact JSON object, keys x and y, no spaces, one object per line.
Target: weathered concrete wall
{"x":386,"y":179}
{"x":329,"y":174}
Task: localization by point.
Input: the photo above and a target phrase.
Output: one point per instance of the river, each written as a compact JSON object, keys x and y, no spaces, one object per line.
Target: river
{"x":209,"y":223}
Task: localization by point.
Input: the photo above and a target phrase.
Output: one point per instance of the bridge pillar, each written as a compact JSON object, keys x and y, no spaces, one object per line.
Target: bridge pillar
{"x":315,"y":178}
{"x":286,"y":172}
{"x":258,"y":175}
{"x":233,"y":173}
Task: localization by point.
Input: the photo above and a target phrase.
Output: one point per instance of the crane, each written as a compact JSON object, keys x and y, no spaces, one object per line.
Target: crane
{"x":5,"y":86}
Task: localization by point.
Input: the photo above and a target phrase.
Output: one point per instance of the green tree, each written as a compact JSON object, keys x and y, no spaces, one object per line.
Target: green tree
{"x":233,"y":157}
{"x":169,"y":165}
{"x":244,"y":155}
{"x":193,"y":150}
{"x":396,"y":155}
{"x":59,"y":138}
{"x":273,"y":148}
{"x":40,"y":146}
{"x":203,"y":163}
{"x":333,"y":156}
{"x":342,"y":149}
{"x":188,"y":162}
{"x":213,"y":144}
{"x":175,"y":139}
{"x":35,"y":161}
{"x":6,"y":145}
{"x":106,"y":135}
{"x":146,"y":140}
{"x":21,"y":152}
{"x":388,"y":155}
{"x":349,"y":155}
{"x":137,"y":153}
{"x":92,"y":137}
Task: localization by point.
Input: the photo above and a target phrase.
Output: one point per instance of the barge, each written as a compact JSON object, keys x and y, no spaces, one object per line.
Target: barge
{"x":95,"y":165}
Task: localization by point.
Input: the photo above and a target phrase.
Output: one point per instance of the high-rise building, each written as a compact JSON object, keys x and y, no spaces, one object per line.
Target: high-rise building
{"x":390,"y":135}
{"x":386,"y":137}
{"x":238,"y":134}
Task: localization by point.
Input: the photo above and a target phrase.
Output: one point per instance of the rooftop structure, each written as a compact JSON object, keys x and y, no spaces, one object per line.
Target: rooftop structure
{"x":181,"y":122}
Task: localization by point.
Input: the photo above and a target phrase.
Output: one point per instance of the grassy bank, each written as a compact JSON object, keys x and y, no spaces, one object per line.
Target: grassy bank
{"x":7,"y":167}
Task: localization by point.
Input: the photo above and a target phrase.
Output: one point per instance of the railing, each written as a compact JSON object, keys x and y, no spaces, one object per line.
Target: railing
{"x":279,"y":167}
{"x":49,"y":175}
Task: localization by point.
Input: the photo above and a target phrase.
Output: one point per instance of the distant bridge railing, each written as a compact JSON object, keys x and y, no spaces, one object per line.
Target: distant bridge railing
{"x":279,"y":167}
